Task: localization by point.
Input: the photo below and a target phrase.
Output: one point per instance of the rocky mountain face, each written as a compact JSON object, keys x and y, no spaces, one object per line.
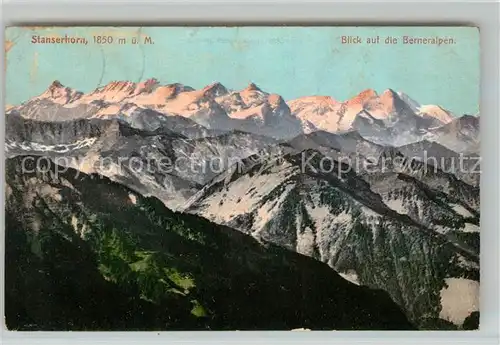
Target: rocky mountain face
{"x":465,"y":166}
{"x":460,"y":135}
{"x":386,"y":230}
{"x":142,"y":160}
{"x":379,"y":188}
{"x":389,"y":120}
{"x":161,"y":163}
{"x":349,"y":147}
{"x":364,"y":155}
{"x":349,"y":142}
{"x":85,"y":253}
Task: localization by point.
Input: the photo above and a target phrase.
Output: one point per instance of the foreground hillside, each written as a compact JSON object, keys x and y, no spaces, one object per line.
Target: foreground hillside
{"x":85,"y":253}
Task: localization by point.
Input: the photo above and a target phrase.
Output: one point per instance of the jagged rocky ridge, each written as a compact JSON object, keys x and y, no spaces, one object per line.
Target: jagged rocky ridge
{"x":404,"y":231}
{"x":86,"y":253}
{"x":161,"y":163}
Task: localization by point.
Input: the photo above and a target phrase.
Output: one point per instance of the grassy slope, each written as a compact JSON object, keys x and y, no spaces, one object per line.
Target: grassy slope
{"x":82,"y":254}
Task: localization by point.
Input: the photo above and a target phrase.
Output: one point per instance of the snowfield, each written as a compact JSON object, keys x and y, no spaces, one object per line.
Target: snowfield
{"x":459,"y":299}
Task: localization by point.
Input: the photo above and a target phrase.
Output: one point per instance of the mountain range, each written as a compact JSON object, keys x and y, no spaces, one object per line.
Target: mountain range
{"x":391,"y":118}
{"x":329,"y":202}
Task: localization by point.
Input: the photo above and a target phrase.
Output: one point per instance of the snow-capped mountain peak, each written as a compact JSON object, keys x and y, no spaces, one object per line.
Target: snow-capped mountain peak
{"x":436,"y":112}
{"x":252,"y":87}
{"x":215,"y":89}
{"x":275,"y":100}
{"x":414,"y":105}
{"x":362,"y":97}
{"x":60,"y":94}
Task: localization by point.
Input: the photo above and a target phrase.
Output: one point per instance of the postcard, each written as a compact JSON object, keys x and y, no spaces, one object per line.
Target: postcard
{"x":242,"y":178}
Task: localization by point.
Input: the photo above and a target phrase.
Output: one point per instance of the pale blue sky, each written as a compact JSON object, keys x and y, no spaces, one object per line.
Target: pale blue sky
{"x":290,"y":61}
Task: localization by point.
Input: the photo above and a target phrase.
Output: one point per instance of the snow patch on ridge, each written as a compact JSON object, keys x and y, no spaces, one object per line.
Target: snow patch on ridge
{"x":60,"y":148}
{"x":459,"y":299}
{"x":461,"y":210}
{"x":470,"y":228}
{"x":397,"y":205}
